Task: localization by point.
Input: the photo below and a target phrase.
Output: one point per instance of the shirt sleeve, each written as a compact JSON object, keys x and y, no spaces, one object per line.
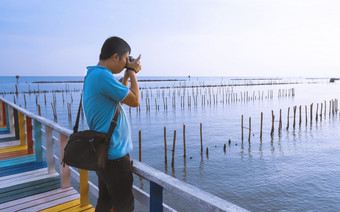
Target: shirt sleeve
{"x":113,"y":89}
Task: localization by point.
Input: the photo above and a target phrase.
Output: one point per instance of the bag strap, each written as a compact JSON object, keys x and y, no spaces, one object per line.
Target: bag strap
{"x":113,"y":121}
{"x":113,"y":124}
{"x":75,"y":128}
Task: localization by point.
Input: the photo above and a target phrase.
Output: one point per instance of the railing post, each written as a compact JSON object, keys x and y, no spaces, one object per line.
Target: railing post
{"x":156,"y":197}
{"x":16,"y":124}
{"x":3,"y":114}
{"x":64,"y":170}
{"x":49,"y":149}
{"x":22,"y":129}
{"x":0,"y":112}
{"x":37,"y":141}
{"x":84,"y":187}
{"x":29,"y":135}
{"x":7,"y":116}
{"x":11,"y":119}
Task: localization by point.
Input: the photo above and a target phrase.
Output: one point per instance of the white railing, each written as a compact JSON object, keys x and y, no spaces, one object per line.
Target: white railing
{"x":198,"y":198}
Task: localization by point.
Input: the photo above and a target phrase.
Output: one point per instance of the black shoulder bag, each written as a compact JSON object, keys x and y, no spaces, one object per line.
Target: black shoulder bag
{"x":88,"y":149}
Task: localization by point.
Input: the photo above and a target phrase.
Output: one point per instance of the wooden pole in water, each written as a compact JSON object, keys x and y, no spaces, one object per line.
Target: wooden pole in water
{"x":242,"y":126}
{"x":140,"y":145}
{"x":294,"y":116}
{"x":39,"y":110}
{"x":306,"y":114}
{"x":288,"y":118}
{"x":207,"y":152}
{"x":273,"y":118}
{"x":173,"y":150}
{"x":280,"y":121}
{"x":316,"y":113}
{"x":165,"y":148}
{"x":311,"y":113}
{"x":201,"y":137}
{"x":249,"y":129}
{"x":261,"y":125}
{"x":300,"y":116}
{"x":184,"y":155}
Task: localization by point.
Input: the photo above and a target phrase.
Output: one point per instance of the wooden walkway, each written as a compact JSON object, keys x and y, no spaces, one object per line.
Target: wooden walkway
{"x":27,"y":182}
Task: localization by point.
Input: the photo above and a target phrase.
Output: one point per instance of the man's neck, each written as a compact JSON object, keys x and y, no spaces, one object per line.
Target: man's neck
{"x":104,"y":64}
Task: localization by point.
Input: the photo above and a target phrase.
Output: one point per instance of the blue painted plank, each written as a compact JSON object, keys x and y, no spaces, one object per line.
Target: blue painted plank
{"x":156,"y":197}
{"x":7,"y":139}
{"x":5,"y":171}
{"x":18,"y":160}
{"x":28,"y":189}
{"x":4,"y":131}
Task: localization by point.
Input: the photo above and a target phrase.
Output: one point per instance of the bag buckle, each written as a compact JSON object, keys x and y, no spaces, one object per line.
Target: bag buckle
{"x":93,"y":149}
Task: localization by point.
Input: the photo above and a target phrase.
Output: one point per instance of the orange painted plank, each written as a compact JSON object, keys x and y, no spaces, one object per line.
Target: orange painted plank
{"x":8,"y":155}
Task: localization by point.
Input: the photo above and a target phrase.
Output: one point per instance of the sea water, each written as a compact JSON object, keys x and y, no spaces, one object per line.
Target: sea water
{"x":296,"y":169}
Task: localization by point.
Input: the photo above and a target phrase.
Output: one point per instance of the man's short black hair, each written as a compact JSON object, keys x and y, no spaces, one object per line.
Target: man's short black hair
{"x":114,"y":45}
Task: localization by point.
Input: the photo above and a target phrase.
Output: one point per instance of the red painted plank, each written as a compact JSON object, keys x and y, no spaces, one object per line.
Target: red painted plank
{"x":29,"y":135}
{"x":4,"y":122}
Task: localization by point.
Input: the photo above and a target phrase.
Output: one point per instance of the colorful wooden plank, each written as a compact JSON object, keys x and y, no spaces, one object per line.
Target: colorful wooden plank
{"x":11,"y":119}
{"x":156,"y":197}
{"x":14,"y":154}
{"x":70,"y":207}
{"x":9,"y":143}
{"x":22,"y":129}
{"x":32,"y":200}
{"x":7,"y":116}
{"x":43,"y":200}
{"x":52,"y":203}
{"x":28,"y":189}
{"x":16,"y":123}
{"x":13,"y":148}
{"x":7,"y":137}
{"x":37,"y":140}
{"x":4,"y":114}
{"x":49,"y":149}
{"x":84,"y":187}
{"x":30,"y":166}
{"x":64,"y":170}
{"x":25,"y":177}
{"x":17,"y":160}
{"x":29,"y":135}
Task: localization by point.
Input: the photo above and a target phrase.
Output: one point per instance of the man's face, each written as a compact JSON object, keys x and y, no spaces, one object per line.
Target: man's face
{"x":119,"y":63}
{"x":123,"y":61}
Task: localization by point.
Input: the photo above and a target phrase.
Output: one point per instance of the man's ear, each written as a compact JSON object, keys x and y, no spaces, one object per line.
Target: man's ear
{"x":115,"y":57}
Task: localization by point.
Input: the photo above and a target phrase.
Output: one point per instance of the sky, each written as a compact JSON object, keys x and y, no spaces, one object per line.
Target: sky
{"x":259,"y":38}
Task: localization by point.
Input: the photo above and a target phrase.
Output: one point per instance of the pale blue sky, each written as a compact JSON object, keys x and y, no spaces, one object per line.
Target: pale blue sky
{"x":175,"y":37}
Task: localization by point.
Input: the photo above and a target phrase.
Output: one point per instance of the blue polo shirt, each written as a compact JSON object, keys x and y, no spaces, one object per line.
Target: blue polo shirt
{"x":102,"y":94}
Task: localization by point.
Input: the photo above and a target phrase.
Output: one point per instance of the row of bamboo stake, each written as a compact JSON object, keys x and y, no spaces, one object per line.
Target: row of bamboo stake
{"x":214,"y":99}
{"x":333,"y":109}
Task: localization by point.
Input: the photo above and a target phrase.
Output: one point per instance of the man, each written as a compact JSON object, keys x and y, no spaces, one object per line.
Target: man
{"x":102,"y":95}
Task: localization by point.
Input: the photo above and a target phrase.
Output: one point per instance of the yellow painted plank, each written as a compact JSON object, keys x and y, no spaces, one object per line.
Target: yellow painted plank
{"x":89,"y":210}
{"x":69,"y":207}
{"x":63,"y":206}
{"x":13,"y":148}
{"x":78,"y":208}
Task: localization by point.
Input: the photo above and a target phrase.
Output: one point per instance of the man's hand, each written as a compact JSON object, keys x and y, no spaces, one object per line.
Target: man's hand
{"x":134,"y":64}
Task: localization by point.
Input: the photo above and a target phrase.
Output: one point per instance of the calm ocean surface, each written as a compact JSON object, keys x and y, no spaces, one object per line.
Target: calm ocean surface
{"x":298,"y":169}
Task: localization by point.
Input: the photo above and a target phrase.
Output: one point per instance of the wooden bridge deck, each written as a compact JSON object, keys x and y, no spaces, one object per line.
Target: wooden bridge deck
{"x":26,"y":183}
{"x":29,"y":183}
